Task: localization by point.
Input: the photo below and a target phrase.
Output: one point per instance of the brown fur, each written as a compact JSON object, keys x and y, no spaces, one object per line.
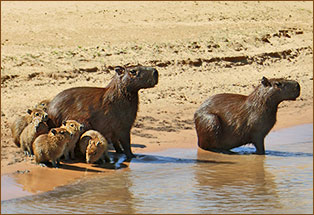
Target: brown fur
{"x":94,"y":146}
{"x":30,"y":132}
{"x":43,"y":105}
{"x":50,"y":147}
{"x":111,"y":110}
{"x":22,"y":121}
{"x":75,"y":130}
{"x":226,"y":121}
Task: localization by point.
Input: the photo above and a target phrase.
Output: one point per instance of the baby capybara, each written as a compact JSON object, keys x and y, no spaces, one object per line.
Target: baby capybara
{"x":30,"y":132}
{"x":111,"y":110}
{"x":50,"y":147}
{"x":75,"y":130}
{"x":225,"y":121}
{"x":22,"y":121}
{"x":43,"y":105}
{"x":94,"y":146}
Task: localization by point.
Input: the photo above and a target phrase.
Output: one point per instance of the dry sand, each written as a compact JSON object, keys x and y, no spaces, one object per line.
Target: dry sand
{"x":199,"y":49}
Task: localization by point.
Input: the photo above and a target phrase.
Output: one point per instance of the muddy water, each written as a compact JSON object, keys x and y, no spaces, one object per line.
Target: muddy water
{"x":194,"y":181}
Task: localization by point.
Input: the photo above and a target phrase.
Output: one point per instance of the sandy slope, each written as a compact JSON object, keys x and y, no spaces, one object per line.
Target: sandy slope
{"x":199,"y":48}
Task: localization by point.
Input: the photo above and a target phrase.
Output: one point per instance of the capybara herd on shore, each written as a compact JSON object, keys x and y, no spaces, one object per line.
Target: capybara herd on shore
{"x":91,"y":118}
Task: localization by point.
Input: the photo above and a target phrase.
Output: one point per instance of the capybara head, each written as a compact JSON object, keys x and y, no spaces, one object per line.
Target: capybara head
{"x":43,"y":105}
{"x":73,"y":126}
{"x":60,"y":132}
{"x":94,"y":151}
{"x":280,"y":89}
{"x":38,"y":113}
{"x":137,"y":77}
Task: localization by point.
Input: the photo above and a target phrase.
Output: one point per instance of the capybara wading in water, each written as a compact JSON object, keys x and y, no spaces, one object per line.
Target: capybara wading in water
{"x":225,"y":121}
{"x":50,"y":147}
{"x":111,"y":110}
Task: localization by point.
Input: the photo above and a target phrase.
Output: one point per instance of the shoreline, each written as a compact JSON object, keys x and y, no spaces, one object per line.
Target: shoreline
{"x":36,"y":179}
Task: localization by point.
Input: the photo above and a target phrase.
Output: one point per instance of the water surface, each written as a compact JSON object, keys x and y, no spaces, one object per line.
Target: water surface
{"x":194,"y":181}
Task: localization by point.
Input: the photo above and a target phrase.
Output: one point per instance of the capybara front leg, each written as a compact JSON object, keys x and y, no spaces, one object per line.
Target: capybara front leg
{"x":126,"y":145}
{"x":260,"y":148}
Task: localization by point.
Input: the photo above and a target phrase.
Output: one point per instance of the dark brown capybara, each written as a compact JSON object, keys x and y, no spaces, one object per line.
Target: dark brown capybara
{"x":225,"y":121}
{"x":110,"y":110}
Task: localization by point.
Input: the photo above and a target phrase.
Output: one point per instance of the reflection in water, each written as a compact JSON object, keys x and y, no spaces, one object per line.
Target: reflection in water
{"x":193,"y":181}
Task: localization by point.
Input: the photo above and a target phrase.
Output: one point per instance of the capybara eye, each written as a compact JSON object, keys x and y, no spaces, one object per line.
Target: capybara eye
{"x":278,"y":84}
{"x":133,"y":72}
{"x":72,"y":125}
{"x":37,"y":114}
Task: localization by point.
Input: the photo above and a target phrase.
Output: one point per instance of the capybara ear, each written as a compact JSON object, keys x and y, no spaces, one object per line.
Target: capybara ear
{"x":119,"y":70}
{"x":97,"y":143}
{"x":29,"y":111}
{"x":64,"y":123}
{"x":53,"y":131}
{"x":265,"y":82}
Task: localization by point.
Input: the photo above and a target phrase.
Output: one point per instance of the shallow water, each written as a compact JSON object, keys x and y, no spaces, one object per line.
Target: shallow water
{"x":194,"y":181}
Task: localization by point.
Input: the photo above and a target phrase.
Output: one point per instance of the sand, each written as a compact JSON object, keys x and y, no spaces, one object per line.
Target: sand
{"x":199,"y":48}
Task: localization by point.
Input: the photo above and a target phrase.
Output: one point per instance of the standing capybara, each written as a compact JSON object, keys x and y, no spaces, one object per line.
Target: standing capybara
{"x":111,"y":110}
{"x":226,"y":121}
{"x":30,"y":132}
{"x":50,"y":147}
{"x":94,"y":146}
{"x":75,"y":130}
{"x":22,"y":121}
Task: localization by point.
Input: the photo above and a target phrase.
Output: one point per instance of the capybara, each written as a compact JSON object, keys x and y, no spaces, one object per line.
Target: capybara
{"x":75,"y":130}
{"x":94,"y":146}
{"x":50,"y":147}
{"x":30,"y":132}
{"x":22,"y":121}
{"x":110,"y":110}
{"x":225,"y":121}
{"x":43,"y":105}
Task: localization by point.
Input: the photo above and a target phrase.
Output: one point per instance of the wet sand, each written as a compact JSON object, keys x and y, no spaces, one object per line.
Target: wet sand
{"x":224,"y":47}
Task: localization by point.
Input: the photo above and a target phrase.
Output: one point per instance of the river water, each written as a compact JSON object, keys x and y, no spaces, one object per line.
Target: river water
{"x":194,"y":181}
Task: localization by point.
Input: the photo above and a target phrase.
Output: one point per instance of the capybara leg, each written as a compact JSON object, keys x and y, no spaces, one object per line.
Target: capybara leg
{"x":66,"y":155}
{"x":260,"y":148}
{"x":208,"y":130}
{"x":54,"y":164}
{"x":106,"y":157}
{"x":125,"y":142}
{"x":72,"y":153}
{"x":117,"y":147}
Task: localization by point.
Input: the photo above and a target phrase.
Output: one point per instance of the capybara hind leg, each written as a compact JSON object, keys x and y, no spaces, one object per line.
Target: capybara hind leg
{"x":208,"y":130}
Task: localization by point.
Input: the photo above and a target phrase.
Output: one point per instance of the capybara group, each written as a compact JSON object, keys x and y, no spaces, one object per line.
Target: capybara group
{"x":94,"y":146}
{"x":30,"y":132}
{"x":75,"y":129}
{"x":110,"y":110}
{"x":50,"y":147}
{"x":22,"y":121}
{"x":225,"y":121}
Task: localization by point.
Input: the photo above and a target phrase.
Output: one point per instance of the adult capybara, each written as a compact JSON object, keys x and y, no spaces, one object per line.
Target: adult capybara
{"x":30,"y":132}
{"x":75,"y":130}
{"x":94,"y":146}
{"x":226,"y":121}
{"x":50,"y":147}
{"x":111,"y":110}
{"x":22,"y":121}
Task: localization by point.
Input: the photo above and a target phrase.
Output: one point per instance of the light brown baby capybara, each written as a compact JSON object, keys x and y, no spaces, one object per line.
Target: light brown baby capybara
{"x":22,"y":121}
{"x":75,"y":130}
{"x":43,"y":105}
{"x":30,"y":132}
{"x":225,"y":121}
{"x":110,"y":110}
{"x":50,"y":147}
{"x":94,"y":146}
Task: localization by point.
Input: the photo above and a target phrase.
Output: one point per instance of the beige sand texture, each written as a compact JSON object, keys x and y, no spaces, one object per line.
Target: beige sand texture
{"x":199,"y":48}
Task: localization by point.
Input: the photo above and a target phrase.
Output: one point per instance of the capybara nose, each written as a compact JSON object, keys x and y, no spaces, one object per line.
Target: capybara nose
{"x":155,"y":75}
